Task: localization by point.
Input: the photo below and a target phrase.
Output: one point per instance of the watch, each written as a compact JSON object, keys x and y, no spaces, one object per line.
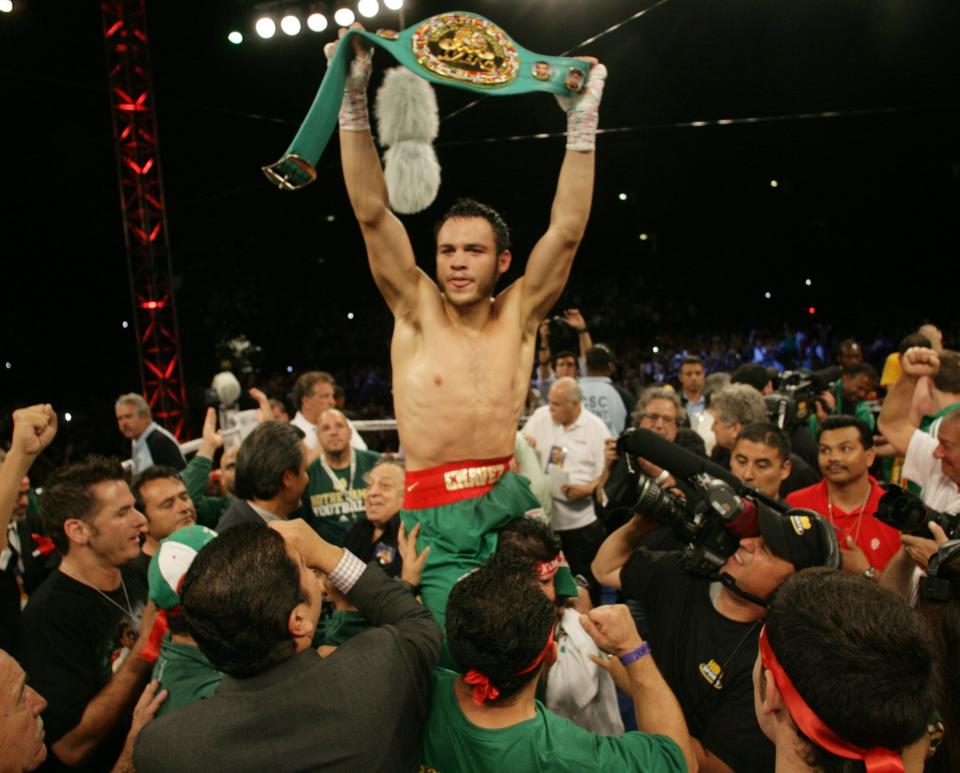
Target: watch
{"x":871,"y":573}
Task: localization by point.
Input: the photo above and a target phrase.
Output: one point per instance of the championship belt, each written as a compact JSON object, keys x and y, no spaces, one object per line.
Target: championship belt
{"x":457,"y":49}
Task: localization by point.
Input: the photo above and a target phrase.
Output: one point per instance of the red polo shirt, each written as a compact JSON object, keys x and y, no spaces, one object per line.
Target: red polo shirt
{"x":877,"y":540}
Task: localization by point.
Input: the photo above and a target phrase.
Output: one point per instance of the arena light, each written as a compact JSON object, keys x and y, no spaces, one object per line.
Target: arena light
{"x":266,"y":27}
{"x":235,"y":37}
{"x":317,"y":22}
{"x":344,"y":17}
{"x":622,"y":197}
{"x":349,"y":315}
{"x":290,"y":25}
{"x":368,"y":8}
{"x":644,"y":237}
{"x":808,"y":283}
{"x":6,"y":6}
{"x":8,"y":365}
{"x":393,"y":5}
{"x":68,"y":416}
{"x":774,"y":183}
{"x":656,"y":350}
{"x":767,"y":295}
{"x":811,"y":310}
{"x":124,"y":324}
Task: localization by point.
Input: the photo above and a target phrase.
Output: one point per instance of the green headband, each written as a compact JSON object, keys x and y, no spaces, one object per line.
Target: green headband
{"x":457,"y":49}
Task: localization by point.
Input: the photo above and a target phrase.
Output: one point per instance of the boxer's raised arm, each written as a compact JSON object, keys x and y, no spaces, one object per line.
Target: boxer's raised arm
{"x":389,"y":250}
{"x":552,"y":258}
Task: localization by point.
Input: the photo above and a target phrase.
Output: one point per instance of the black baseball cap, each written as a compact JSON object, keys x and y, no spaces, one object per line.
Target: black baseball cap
{"x":801,"y":537}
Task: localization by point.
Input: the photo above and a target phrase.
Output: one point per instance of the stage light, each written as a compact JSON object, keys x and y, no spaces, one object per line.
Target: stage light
{"x":8,"y":365}
{"x":124,"y":324}
{"x":235,"y":37}
{"x":767,"y":295}
{"x":808,"y":283}
{"x":266,"y":27}
{"x":344,"y":17}
{"x":368,"y":8}
{"x":622,"y":197}
{"x":393,"y":5}
{"x":290,"y":25}
{"x":774,"y":183}
{"x":6,"y":6}
{"x":349,"y":315}
{"x":331,"y":218}
{"x":289,"y":368}
{"x":68,"y":416}
{"x":317,"y":22}
{"x":811,"y":310}
{"x":656,"y":350}
{"x":644,"y":237}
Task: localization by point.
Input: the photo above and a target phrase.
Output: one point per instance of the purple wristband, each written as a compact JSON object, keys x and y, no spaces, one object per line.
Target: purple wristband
{"x":635,"y":654}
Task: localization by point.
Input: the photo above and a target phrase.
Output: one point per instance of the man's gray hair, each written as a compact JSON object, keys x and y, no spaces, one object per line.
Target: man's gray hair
{"x":136,"y":400}
{"x":658,"y":393}
{"x":739,"y":403}
{"x":714,"y":383}
{"x":570,"y":387}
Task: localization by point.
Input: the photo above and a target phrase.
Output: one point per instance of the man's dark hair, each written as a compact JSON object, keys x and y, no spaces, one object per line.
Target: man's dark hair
{"x":856,"y":368}
{"x":599,"y":359}
{"x":914,"y":339}
{"x":67,"y":494}
{"x":563,"y":353}
{"x":269,"y":451}
{"x":529,"y":539}
{"x":767,"y":434}
{"x":237,"y":597}
{"x":752,"y":374}
{"x":498,"y":621}
{"x":948,"y":377}
{"x":860,"y":657}
{"x":842,"y":421}
{"x":473,"y":208}
{"x":692,"y":359}
{"x":153,"y":472}
{"x":306,"y":382}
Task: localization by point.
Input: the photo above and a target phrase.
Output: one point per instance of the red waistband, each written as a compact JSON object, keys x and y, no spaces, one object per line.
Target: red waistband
{"x":453,"y":482}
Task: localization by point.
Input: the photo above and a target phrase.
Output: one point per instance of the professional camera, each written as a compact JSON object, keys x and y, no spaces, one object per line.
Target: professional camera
{"x":710,"y":521}
{"x":906,"y":512}
{"x":795,"y":399}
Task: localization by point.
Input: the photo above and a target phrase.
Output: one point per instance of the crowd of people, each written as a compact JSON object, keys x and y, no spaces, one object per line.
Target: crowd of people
{"x":701,"y":577}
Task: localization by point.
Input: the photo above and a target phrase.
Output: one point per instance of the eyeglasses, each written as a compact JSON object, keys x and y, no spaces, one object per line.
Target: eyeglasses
{"x":653,"y":418}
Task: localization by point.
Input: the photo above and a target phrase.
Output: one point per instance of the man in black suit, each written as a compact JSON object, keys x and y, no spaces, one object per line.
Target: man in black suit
{"x":251,"y":599}
{"x":271,"y":476}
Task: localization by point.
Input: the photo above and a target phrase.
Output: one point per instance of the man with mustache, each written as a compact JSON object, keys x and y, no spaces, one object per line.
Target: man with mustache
{"x":848,"y":496}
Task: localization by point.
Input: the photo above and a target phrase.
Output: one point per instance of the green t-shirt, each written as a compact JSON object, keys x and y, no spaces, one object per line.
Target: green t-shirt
{"x":548,"y":743}
{"x":186,"y":674}
{"x":194,"y":477}
{"x":333,"y":509}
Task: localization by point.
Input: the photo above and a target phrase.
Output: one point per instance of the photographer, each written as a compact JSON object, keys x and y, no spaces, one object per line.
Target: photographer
{"x":705,"y":629}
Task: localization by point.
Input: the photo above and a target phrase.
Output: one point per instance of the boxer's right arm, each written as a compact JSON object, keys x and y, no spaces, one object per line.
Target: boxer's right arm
{"x":389,"y":250}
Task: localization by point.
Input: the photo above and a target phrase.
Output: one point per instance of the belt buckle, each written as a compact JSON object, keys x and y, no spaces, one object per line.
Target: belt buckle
{"x":283,"y":179}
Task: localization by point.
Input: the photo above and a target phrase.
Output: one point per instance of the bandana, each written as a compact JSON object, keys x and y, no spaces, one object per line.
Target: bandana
{"x":878,"y":759}
{"x":483,"y":690}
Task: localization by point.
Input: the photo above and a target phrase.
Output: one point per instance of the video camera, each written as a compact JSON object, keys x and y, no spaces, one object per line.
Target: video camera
{"x":906,"y":512}
{"x":718,"y":511}
{"x":794,"y":400}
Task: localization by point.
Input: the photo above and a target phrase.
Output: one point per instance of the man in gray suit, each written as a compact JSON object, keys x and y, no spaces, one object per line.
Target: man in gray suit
{"x":271,"y":476}
{"x":252,"y":599}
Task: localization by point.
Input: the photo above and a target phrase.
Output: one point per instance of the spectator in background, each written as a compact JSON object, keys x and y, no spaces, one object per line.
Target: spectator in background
{"x":761,"y":458}
{"x":711,"y":385}
{"x":278,"y":411}
{"x":563,"y":364}
{"x":691,"y":377}
{"x":197,"y":474}
{"x":149,"y":442}
{"x":847,"y":396}
{"x":313,"y":393}
{"x":600,"y":397}
{"x":848,"y":496}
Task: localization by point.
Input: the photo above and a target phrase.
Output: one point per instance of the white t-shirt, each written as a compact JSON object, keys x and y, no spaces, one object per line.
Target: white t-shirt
{"x":310,"y":433}
{"x":578,"y":451}
{"x":919,"y":465}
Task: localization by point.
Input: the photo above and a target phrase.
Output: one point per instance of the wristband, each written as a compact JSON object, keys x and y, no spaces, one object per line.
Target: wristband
{"x":662,"y":477}
{"x":635,"y":654}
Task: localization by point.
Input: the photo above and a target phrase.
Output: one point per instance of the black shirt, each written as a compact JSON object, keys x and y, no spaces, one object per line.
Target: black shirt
{"x":706,"y":658}
{"x":72,"y":641}
{"x":384,"y":551}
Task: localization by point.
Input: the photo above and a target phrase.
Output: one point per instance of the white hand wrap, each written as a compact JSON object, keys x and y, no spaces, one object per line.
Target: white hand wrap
{"x":583,"y":111}
{"x":354,"y":114}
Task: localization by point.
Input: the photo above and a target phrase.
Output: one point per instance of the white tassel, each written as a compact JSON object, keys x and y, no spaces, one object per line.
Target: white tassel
{"x":407,"y":122}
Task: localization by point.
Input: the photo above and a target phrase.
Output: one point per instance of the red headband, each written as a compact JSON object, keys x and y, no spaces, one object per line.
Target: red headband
{"x":879,"y":759}
{"x":484,"y":691}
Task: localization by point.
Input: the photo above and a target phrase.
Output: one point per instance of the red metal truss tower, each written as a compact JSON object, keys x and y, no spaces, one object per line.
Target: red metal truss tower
{"x":142,"y":209}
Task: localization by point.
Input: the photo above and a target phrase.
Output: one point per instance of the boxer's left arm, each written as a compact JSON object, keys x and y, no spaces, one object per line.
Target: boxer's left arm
{"x":549,"y":264}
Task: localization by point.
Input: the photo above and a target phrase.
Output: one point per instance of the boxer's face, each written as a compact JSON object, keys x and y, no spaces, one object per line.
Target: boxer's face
{"x":468,"y":265}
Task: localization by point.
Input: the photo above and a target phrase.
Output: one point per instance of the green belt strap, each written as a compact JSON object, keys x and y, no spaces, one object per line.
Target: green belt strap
{"x":455,"y":49}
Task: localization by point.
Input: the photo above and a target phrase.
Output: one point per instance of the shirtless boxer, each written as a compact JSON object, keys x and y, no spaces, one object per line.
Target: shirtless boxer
{"x":461,"y":358}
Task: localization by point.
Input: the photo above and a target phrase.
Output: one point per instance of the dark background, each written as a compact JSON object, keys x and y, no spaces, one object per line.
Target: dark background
{"x":866,"y":204}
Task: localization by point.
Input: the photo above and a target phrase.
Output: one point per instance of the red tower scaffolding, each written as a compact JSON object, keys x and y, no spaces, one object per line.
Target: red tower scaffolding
{"x":142,"y":208}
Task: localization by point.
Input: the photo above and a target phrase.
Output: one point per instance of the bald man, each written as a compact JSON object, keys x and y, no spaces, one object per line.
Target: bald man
{"x":333,"y":500}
